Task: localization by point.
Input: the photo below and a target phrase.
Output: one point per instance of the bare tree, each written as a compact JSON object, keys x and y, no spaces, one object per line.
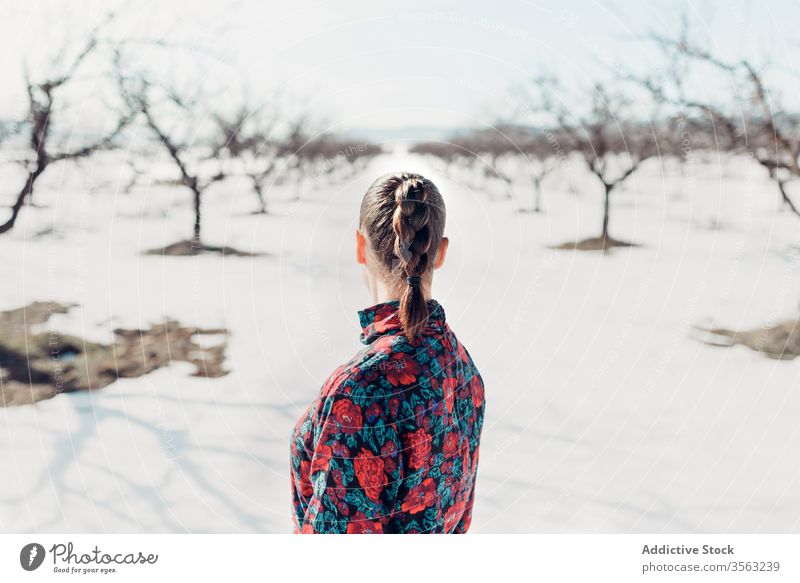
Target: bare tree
{"x":195,"y":160}
{"x":506,"y":151}
{"x":753,"y":122}
{"x":539,"y":157}
{"x":746,"y":119}
{"x":444,"y":151}
{"x":43,"y":95}
{"x":305,"y":153}
{"x":509,"y":152}
{"x":348,"y":156}
{"x":249,"y":137}
{"x":607,"y":137}
{"x":326,"y":155}
{"x":268,"y":150}
{"x":495,"y":152}
{"x":456,"y":160}
{"x":360,"y":154}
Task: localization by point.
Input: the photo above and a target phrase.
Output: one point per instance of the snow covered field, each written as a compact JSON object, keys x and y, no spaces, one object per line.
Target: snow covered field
{"x":603,"y":413}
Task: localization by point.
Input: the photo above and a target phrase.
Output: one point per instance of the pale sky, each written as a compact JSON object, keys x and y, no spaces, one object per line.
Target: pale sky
{"x":389,"y":64}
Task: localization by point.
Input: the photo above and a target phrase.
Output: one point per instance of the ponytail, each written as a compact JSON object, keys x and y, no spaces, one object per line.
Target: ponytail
{"x":403,"y":215}
{"x":411,"y":245}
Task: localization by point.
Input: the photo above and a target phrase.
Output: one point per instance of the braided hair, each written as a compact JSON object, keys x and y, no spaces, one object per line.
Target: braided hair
{"x":403,"y":218}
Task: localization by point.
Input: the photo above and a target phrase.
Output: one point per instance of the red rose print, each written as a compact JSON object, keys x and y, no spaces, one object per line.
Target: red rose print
{"x":467,"y":520}
{"x":386,"y":319}
{"x":420,"y":497}
{"x":402,"y":427}
{"x":453,"y":515}
{"x":322,"y":459}
{"x":369,"y":471}
{"x":389,"y":455}
{"x":306,"y":488}
{"x":450,"y":445}
{"x":418,"y":444}
{"x":402,"y":369}
{"x":348,"y":414}
{"x":340,"y":450}
{"x":360,"y":524}
{"x":329,"y":430}
{"x":389,"y":449}
{"x":448,"y":387}
{"x":477,"y":394}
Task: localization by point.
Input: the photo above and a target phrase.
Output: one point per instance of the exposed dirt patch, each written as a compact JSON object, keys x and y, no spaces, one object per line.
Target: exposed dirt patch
{"x":594,"y":244}
{"x":189,"y":247}
{"x":36,"y":365}
{"x":781,"y":341}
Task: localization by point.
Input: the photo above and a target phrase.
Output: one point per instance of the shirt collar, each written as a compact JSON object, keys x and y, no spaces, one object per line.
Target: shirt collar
{"x":382,"y":319}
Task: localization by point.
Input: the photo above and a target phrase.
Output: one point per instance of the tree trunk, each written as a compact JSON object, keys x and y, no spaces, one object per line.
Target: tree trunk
{"x":507,"y":181}
{"x":537,"y":186}
{"x":298,"y":189}
{"x":196,"y":241}
{"x":26,"y":191}
{"x":606,"y":208}
{"x":262,"y":203}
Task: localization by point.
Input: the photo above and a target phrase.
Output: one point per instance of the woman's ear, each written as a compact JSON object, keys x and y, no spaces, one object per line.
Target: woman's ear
{"x":361,"y":242}
{"x":442,"y":252}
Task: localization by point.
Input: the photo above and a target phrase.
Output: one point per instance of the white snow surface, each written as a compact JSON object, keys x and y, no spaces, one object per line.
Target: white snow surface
{"x":604,"y":414}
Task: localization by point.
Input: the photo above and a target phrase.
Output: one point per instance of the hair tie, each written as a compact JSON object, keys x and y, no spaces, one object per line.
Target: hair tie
{"x":414,"y":280}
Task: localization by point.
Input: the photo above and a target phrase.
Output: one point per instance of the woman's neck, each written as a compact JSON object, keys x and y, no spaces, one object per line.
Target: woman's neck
{"x":381,"y":292}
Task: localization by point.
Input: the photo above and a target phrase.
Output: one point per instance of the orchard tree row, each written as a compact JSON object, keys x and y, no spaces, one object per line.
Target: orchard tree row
{"x":205,"y":139}
{"x":613,"y":128}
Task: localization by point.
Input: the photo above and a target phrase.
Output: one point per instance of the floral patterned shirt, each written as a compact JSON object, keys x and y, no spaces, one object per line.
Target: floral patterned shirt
{"x":390,"y":445}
